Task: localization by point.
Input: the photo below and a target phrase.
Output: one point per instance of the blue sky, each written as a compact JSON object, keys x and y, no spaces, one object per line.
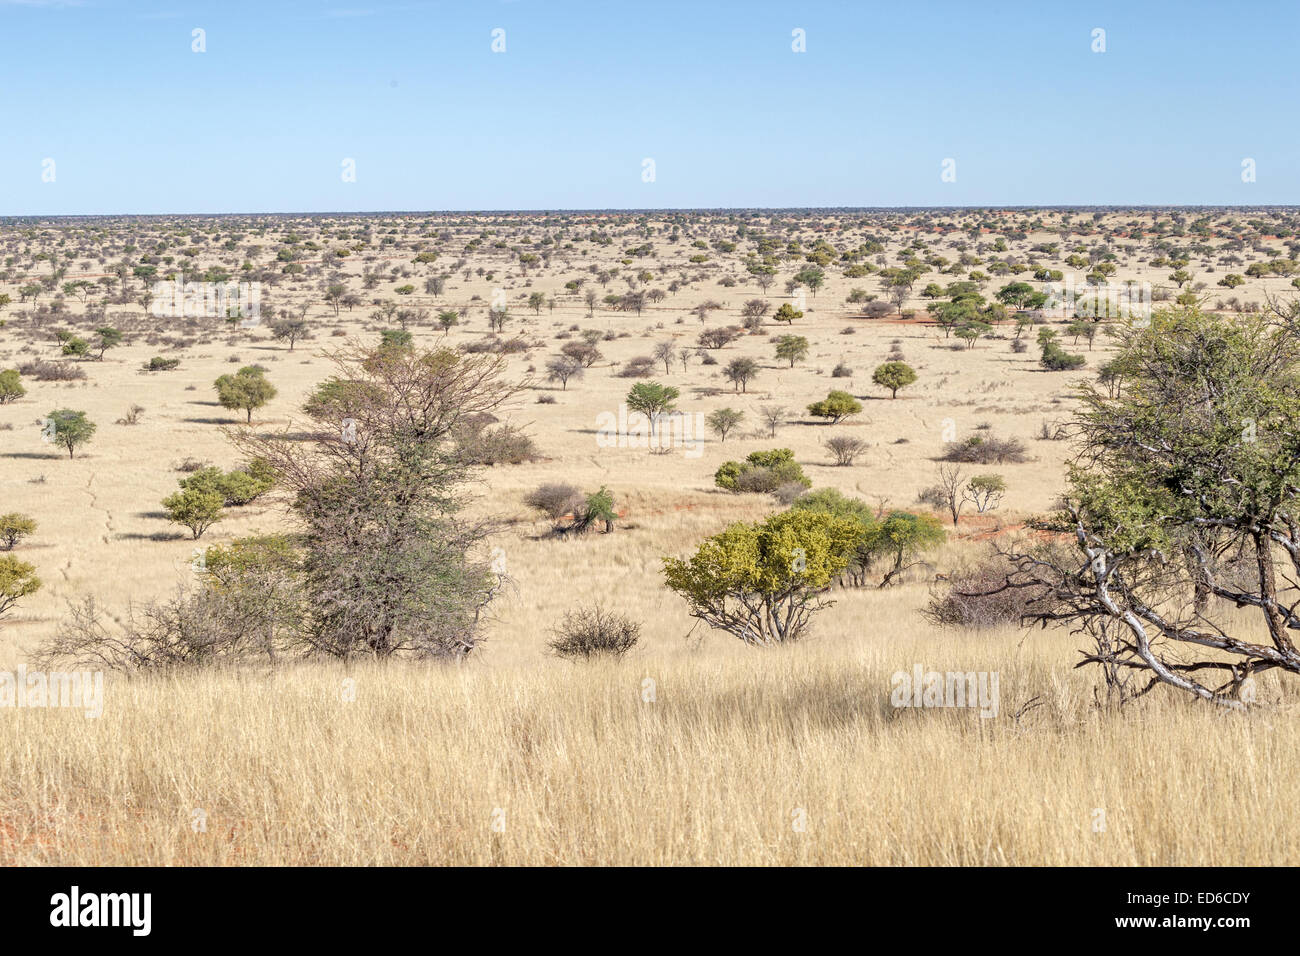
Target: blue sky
{"x":585,"y":91}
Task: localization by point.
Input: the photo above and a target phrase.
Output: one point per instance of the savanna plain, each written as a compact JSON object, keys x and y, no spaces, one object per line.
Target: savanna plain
{"x":693,"y":747}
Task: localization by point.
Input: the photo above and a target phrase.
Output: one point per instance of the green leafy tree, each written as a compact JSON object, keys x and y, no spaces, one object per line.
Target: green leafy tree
{"x":893,"y":376}
{"x":11,"y":386}
{"x":108,"y":338}
{"x":723,"y":420}
{"x":787,"y":314}
{"x":247,"y":389}
{"x":68,"y":428}
{"x":652,"y":400}
{"x":1186,"y":490}
{"x":196,"y":510}
{"x":793,"y":348}
{"x":902,"y":536}
{"x":836,"y":406}
{"x":17,"y":580}
{"x":14,"y":527}
{"x":762,"y":583}
{"x":1016,"y":294}
{"x":395,"y":339}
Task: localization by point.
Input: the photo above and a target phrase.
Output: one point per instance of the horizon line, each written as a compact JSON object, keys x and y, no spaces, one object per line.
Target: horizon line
{"x":1110,"y":207}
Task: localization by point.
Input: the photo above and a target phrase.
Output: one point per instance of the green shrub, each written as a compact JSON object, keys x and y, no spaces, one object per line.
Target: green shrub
{"x":11,"y":386}
{"x":836,"y":406}
{"x":762,"y":472}
{"x":196,"y":510}
{"x":13,"y":528}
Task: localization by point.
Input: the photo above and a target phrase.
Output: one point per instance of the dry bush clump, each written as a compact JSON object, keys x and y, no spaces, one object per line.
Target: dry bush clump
{"x":977,"y":596}
{"x":987,"y":450}
{"x":594,"y":632}
{"x":43,"y":371}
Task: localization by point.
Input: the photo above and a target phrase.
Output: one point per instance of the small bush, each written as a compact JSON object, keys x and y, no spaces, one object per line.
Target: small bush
{"x":160,"y":364}
{"x":641,"y":367}
{"x":479,"y":444}
{"x":44,"y":371}
{"x":594,"y":632}
{"x":235,"y":488}
{"x":987,"y":450}
{"x":555,"y":499}
{"x":763,"y":472}
{"x":13,"y":528}
{"x":845,"y":449}
{"x":11,"y":387}
{"x":972,"y":598}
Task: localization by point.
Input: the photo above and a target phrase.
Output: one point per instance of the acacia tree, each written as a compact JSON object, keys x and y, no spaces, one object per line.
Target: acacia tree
{"x":17,"y":580}
{"x":68,"y":428}
{"x":652,"y":400}
{"x":792,"y":347}
{"x":739,"y":371}
{"x":389,"y":565}
{"x":893,"y":376}
{"x":291,"y":330}
{"x":247,"y":389}
{"x":1186,"y":489}
{"x":763,"y":582}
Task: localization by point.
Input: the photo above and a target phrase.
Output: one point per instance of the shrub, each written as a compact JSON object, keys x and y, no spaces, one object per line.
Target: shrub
{"x":975,"y":597}
{"x":479,"y":444}
{"x":43,"y":371}
{"x":762,"y":472}
{"x":594,"y":632}
{"x":14,"y":527}
{"x":641,"y":367}
{"x":1056,"y":359}
{"x":17,"y":580}
{"x":845,"y":449}
{"x":836,"y":406}
{"x":763,"y":582}
{"x":11,"y":386}
{"x":235,"y":488}
{"x":555,"y":499}
{"x":196,"y":510}
{"x":160,"y":364}
{"x":987,"y":450}
{"x":841,"y":371}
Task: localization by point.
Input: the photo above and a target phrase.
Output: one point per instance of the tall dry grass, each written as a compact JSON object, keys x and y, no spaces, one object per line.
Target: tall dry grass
{"x":737,"y":746}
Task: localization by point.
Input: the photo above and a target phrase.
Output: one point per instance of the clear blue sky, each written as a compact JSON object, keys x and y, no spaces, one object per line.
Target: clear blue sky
{"x":261,"y":122}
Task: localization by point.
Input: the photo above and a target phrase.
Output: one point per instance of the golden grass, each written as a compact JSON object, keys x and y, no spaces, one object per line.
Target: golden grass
{"x":712,"y":771}
{"x":585,"y":770}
